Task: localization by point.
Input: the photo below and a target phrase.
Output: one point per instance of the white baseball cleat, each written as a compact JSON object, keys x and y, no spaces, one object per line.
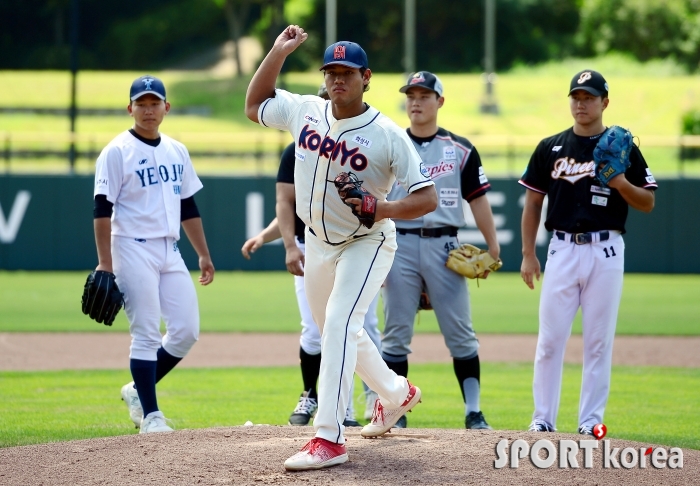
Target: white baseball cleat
{"x":384,"y":419}
{"x":131,"y":398}
{"x":317,"y":454}
{"x":154,"y":422}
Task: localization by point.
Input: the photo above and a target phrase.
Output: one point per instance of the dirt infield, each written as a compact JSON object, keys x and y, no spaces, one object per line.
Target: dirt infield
{"x":52,"y":351}
{"x":255,"y":455}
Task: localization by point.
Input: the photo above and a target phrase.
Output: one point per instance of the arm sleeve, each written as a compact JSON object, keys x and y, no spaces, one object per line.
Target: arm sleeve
{"x":287,"y":162}
{"x":533,"y":177}
{"x":103,"y":208}
{"x":406,"y":164}
{"x":188,"y":209}
{"x":275,"y":112}
{"x":109,"y":173}
{"x":474,"y":182}
{"x":190,"y":182}
{"x":638,"y":172}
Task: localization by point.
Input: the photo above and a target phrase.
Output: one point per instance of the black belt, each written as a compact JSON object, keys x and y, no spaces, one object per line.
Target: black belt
{"x":429,"y":232}
{"x":583,"y":238}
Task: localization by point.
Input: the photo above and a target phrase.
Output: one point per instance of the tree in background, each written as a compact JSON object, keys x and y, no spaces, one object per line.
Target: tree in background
{"x":647,"y":29}
{"x":450,"y":34}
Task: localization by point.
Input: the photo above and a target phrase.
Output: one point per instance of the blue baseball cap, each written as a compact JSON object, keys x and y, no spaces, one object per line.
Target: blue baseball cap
{"x":147,"y":84}
{"x":346,"y":54}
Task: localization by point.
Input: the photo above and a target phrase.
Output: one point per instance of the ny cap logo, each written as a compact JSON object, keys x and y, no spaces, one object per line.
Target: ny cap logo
{"x":339,"y":52}
{"x":147,"y":83}
{"x":584,"y":77}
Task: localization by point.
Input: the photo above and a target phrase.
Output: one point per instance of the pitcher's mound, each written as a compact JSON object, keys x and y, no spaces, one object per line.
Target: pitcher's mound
{"x":255,"y":455}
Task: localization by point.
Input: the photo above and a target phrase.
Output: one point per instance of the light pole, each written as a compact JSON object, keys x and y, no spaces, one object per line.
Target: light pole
{"x":409,"y":37}
{"x":488,"y":103}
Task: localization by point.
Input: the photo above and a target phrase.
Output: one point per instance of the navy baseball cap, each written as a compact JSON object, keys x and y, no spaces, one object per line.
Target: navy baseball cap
{"x":345,"y":53}
{"x":147,"y":84}
{"x":423,"y":79}
{"x":590,"y":81}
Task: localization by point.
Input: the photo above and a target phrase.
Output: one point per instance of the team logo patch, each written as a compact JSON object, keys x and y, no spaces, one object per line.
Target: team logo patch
{"x":650,"y":179}
{"x":339,"y":52}
{"x":481,"y":170}
{"x":449,"y":153}
{"x":483,"y":179}
{"x":311,"y":119}
{"x":176,"y":188}
{"x":448,"y":203}
{"x":424,"y":171}
{"x":585,"y":76}
{"x":556,"y":148}
{"x":449,"y":192}
{"x":417,"y":78}
{"x":147,"y":83}
{"x":143,"y":161}
{"x":599,"y":201}
{"x":299,"y":156}
{"x":601,"y":190}
{"x":362,"y":140}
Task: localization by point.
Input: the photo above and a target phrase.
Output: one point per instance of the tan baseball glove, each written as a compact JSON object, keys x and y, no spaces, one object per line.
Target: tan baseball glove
{"x":472,"y":262}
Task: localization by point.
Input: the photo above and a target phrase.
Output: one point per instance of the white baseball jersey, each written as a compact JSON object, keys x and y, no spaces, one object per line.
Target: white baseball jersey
{"x":370,"y":145}
{"x":145,"y":184}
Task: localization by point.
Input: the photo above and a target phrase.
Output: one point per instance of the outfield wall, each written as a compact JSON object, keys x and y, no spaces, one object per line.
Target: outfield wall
{"x":46,"y":224}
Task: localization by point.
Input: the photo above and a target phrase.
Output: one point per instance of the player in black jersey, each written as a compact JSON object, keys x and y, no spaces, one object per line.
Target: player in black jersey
{"x":585,"y":260}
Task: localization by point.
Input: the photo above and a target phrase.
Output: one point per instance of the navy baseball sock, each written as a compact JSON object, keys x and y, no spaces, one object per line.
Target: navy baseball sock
{"x":399,"y":364}
{"x":144,"y":374}
{"x":468,"y":372}
{"x":310,"y":369}
{"x":166,"y":362}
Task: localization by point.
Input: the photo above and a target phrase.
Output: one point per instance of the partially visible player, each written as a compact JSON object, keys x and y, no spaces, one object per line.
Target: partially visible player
{"x":424,"y":243}
{"x":585,"y":260}
{"x":291,"y":230}
{"x":144,"y":191}
{"x":346,"y":261}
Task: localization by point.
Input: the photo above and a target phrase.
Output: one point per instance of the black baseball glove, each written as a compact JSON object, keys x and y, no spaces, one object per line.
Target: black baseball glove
{"x":349,"y":187}
{"x":101,"y":297}
{"x":612,"y":153}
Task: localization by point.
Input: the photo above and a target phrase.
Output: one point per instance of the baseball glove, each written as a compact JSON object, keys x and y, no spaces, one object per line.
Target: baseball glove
{"x":350,"y":187}
{"x":101,"y":297}
{"x":612,"y":154}
{"x":424,"y":301}
{"x":472,"y":262}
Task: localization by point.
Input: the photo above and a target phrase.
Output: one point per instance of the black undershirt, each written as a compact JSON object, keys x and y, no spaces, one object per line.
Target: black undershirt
{"x":420,"y":140}
{"x":148,"y":141}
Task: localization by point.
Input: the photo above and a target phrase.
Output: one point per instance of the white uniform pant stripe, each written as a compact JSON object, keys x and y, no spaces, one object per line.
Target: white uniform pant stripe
{"x":578,"y":276}
{"x":341,"y":282}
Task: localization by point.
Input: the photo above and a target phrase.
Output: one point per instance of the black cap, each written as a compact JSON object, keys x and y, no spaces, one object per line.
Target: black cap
{"x":423,"y":79}
{"x":147,"y":84}
{"x":591,"y":81}
{"x":322,"y":92}
{"x":345,"y":53}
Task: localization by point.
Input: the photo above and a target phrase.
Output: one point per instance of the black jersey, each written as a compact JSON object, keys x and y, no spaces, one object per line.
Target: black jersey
{"x":286,"y":174}
{"x":562,"y":167}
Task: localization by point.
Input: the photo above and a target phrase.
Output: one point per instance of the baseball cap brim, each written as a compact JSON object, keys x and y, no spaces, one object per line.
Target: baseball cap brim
{"x":593,"y":91}
{"x":139,"y":95}
{"x":417,"y":85}
{"x":342,"y":63}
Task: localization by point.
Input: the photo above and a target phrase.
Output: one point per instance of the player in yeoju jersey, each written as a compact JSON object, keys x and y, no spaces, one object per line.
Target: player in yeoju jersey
{"x":585,"y":259}
{"x":144,"y":191}
{"x":346,"y":262}
{"x":424,"y":244}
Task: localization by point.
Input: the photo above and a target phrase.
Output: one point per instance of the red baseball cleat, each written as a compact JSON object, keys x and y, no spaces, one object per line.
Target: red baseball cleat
{"x":317,"y":454}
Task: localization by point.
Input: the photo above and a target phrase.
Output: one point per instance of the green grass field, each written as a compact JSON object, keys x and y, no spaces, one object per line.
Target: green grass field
{"x":649,"y":99}
{"x":265,"y":302}
{"x":651,"y":405}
